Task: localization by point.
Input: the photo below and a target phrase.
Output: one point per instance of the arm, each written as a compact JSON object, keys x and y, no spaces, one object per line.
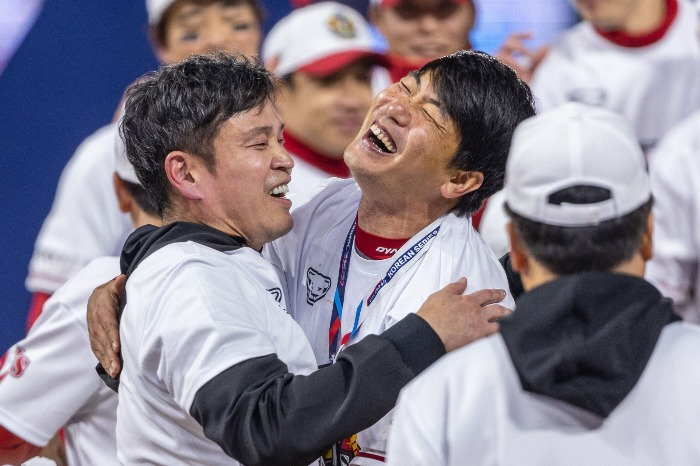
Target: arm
{"x":103,"y":326}
{"x":261,"y":414}
{"x":257,"y":411}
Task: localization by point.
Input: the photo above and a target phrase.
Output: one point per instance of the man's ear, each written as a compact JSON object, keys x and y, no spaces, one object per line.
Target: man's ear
{"x":518,"y":257}
{"x":182,"y":170}
{"x":461,"y":183}
{"x":124,"y":197}
{"x":646,"y":248}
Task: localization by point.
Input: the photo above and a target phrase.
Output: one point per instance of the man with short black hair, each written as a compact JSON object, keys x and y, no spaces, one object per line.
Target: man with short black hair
{"x":211,"y":358}
{"x":432,"y":147}
{"x":591,"y":345}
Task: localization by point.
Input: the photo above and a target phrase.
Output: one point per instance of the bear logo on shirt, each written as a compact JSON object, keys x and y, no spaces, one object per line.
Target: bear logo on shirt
{"x":317,"y":285}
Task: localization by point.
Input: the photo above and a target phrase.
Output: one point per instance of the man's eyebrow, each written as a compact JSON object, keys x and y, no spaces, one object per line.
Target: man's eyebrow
{"x":256,"y":131}
{"x":416,"y":76}
{"x":265,"y":130}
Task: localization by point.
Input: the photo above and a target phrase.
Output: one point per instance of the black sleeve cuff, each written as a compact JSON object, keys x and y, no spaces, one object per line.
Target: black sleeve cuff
{"x":416,"y":341}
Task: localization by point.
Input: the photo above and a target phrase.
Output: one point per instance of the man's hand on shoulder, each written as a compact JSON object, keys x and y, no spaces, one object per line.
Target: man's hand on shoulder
{"x":461,"y":319}
{"x":103,"y":326}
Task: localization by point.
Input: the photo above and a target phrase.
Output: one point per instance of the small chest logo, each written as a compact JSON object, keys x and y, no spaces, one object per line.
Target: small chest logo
{"x":317,"y":285}
{"x":276,"y":293}
{"x":17,"y":366}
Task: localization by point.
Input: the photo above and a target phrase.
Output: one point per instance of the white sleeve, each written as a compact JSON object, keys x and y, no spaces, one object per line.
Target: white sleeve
{"x":675,"y":175}
{"x":417,"y":436}
{"x":211,"y":324}
{"x":84,"y":221}
{"x":47,"y":377}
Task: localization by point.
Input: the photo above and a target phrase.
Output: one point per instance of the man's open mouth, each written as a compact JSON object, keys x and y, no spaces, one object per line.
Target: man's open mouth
{"x":279,"y":191}
{"x":381,"y":139}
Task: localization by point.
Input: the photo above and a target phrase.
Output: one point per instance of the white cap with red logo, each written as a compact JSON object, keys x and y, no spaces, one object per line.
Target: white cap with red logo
{"x":320,"y":39}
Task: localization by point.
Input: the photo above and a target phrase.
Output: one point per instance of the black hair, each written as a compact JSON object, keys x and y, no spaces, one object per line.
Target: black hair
{"x":182,"y":107}
{"x":141,"y":197}
{"x":159,"y":30}
{"x":486,"y":99}
{"x":569,"y":250}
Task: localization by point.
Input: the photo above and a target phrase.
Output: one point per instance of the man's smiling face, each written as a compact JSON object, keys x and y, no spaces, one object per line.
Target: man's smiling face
{"x":406,"y":142}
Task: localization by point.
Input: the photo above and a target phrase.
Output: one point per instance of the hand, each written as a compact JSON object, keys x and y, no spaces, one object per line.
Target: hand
{"x":103,"y":327}
{"x":461,"y":319}
{"x":515,"y":54}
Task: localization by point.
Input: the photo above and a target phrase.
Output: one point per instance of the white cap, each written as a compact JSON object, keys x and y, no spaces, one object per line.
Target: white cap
{"x":319,"y":39}
{"x":121,"y":164}
{"x":575,"y":145}
{"x":155,"y":9}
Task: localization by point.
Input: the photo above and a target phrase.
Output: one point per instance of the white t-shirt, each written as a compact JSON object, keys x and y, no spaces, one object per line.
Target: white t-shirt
{"x":469,"y":408}
{"x":85,"y":221}
{"x":310,"y":257}
{"x":674,"y":167}
{"x":48,"y":380}
{"x":191,"y":313}
{"x":655,"y":86}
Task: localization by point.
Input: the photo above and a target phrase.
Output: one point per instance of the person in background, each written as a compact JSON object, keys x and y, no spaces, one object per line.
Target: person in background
{"x":48,"y":380}
{"x":640,"y":58}
{"x":591,"y":344}
{"x":417,"y":31}
{"x":325,"y":58}
{"x":675,"y":266}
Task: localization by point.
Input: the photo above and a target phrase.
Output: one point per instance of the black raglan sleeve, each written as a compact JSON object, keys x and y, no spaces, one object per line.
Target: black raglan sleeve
{"x":260,"y":414}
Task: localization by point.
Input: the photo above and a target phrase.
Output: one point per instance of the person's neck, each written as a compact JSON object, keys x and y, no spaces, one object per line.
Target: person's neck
{"x":194,"y":215}
{"x":648,"y":17}
{"x":538,"y":274}
{"x":646,"y":25}
{"x":396,"y":220}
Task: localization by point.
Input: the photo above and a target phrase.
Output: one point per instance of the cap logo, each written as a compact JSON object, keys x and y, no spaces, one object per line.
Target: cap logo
{"x":342,"y":26}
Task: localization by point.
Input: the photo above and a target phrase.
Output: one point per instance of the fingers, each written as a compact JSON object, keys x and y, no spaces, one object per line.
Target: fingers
{"x":495,"y":312}
{"x":456,"y":287}
{"x":488,"y":296}
{"x":118,"y":284}
{"x":103,"y":326}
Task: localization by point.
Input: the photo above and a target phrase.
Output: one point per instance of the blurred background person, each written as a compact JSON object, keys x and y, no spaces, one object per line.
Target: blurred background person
{"x":48,"y":379}
{"x":640,"y":58}
{"x":324,"y":55}
{"x":675,"y":176}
